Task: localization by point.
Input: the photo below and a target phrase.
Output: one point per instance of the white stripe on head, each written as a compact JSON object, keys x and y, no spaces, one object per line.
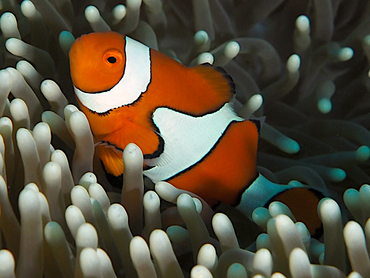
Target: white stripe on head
{"x":134,"y":82}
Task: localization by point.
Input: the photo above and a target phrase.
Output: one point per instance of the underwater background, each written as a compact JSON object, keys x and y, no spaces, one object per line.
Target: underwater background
{"x":303,"y":65}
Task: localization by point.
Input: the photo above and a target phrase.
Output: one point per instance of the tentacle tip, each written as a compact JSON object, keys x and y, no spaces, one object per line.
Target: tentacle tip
{"x":324,"y":105}
{"x":293,"y":63}
{"x":337,"y":175}
{"x":303,"y":23}
{"x":363,"y":153}
{"x":345,"y":54}
{"x":289,"y":146}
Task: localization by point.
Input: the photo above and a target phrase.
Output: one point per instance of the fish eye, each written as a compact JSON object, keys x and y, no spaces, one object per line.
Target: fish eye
{"x":112,"y":57}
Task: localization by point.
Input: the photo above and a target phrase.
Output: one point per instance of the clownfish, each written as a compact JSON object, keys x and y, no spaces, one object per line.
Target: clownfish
{"x":181,"y":118}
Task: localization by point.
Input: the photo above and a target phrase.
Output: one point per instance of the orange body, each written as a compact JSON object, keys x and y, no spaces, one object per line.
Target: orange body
{"x":223,"y":173}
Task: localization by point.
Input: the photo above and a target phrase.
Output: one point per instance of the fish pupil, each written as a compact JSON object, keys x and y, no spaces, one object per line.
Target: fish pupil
{"x":112,"y":59}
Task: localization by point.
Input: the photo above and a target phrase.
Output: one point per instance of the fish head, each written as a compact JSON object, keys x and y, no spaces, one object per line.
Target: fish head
{"x":97,"y":61}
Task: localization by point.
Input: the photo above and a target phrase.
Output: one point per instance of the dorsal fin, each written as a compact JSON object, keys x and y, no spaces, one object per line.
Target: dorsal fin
{"x":217,"y":78}
{"x":224,"y":74}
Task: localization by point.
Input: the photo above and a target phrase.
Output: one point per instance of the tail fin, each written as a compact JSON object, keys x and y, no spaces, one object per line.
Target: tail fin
{"x":301,"y":200}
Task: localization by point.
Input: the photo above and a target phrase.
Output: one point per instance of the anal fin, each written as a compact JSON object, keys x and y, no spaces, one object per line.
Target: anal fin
{"x":112,"y":159}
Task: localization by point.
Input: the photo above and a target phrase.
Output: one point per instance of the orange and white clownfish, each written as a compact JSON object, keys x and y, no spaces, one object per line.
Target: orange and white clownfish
{"x":180,"y":117}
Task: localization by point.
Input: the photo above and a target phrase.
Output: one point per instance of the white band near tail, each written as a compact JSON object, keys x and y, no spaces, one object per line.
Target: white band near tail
{"x":135,"y":80}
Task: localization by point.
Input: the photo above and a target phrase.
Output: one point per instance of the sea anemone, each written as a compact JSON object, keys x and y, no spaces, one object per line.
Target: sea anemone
{"x":303,"y":65}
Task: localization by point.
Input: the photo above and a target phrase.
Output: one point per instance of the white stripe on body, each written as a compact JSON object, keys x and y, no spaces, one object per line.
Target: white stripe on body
{"x":187,"y":139}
